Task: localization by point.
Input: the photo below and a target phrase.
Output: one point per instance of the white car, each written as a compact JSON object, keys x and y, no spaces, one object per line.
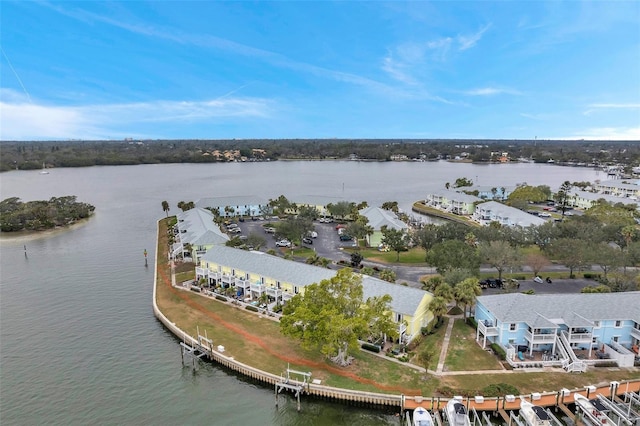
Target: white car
{"x":283,"y":243}
{"x":538,"y":280}
{"x":313,"y":234}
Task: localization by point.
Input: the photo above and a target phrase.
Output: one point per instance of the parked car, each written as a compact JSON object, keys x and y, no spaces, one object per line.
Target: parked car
{"x":270,"y":230}
{"x":232,"y":225}
{"x":283,"y":243}
{"x":307,"y":240}
{"x":538,"y":280}
{"x":313,"y":234}
{"x":345,"y":237}
{"x":234,"y":230}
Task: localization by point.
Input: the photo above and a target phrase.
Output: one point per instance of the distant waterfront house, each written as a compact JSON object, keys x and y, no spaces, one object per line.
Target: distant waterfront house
{"x":452,"y":201}
{"x":234,"y":206}
{"x":492,"y":211}
{"x":489,"y":192}
{"x":627,"y":188}
{"x":585,"y":199}
{"x":318,"y":202}
{"x":562,"y":324}
{"x":377,"y":219}
{"x":254,"y":273}
{"x":196,"y":232}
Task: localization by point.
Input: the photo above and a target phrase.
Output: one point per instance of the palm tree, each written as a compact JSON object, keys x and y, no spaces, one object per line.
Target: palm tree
{"x":438,"y":307}
{"x":165,"y":207}
{"x":465,"y":293}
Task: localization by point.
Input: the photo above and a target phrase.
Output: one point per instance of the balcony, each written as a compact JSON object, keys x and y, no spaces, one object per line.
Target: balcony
{"x":274,"y":292}
{"x":243,"y":284}
{"x":635,"y":333}
{"x":202,"y":272}
{"x":257,"y":287}
{"x":580,"y":337}
{"x":287,"y":296}
{"x":487,"y":329}
{"x":539,"y":338}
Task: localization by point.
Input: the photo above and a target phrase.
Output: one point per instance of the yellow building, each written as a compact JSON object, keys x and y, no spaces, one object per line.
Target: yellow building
{"x":254,"y":274}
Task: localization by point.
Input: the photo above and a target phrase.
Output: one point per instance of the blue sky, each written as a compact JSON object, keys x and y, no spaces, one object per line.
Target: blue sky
{"x":210,"y":70}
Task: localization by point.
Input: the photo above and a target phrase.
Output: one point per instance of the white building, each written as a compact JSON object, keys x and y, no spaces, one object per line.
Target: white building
{"x":492,"y":211}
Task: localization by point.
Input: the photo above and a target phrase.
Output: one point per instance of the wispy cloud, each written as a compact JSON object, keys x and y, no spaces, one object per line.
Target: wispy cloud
{"x":607,"y":133}
{"x":21,"y":120}
{"x":604,"y":106}
{"x":219,"y":43}
{"x":468,"y":41}
{"x":491,"y":91}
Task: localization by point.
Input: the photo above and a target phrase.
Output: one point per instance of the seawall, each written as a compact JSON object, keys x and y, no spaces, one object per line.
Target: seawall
{"x":374,"y":399}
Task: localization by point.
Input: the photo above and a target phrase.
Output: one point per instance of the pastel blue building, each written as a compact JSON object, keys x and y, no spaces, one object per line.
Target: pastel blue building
{"x":568,"y":330}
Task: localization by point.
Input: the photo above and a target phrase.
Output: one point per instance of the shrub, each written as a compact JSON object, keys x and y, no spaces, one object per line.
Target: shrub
{"x":371,"y":347}
{"x":520,"y":278}
{"x":591,"y":276}
{"x":252,"y":308}
{"x":609,"y":364}
{"x":499,"y":389}
{"x":222,"y":298}
{"x":414,"y":343}
{"x":499,"y":351}
{"x":472,"y":322}
{"x":530,"y":291}
{"x":277,"y":308}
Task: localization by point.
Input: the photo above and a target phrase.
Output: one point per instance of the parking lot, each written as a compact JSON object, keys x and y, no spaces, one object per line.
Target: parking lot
{"x":326,"y":244}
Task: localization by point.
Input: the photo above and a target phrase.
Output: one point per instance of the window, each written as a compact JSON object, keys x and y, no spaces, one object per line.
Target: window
{"x":295,"y":290}
{"x":261,"y":280}
{"x":247,"y":277}
{"x":512,"y":341}
{"x":512,"y":327}
{"x":594,"y":340}
{"x":618,"y":323}
{"x":399,"y":317}
{"x":596,"y":324}
{"x":277,"y":284}
{"x":615,"y":338}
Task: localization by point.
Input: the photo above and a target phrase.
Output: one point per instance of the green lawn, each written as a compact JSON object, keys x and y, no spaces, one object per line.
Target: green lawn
{"x":464,"y":353}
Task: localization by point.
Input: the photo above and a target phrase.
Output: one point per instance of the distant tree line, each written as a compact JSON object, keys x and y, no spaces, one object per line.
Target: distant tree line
{"x":32,"y":155}
{"x":16,"y":215}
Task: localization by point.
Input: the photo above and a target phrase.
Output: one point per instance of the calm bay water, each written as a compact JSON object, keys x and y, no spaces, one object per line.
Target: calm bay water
{"x":78,"y":340}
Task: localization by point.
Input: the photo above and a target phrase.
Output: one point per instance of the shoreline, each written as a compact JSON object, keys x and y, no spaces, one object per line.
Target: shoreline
{"x":371,"y":399}
{"x":25,"y":235}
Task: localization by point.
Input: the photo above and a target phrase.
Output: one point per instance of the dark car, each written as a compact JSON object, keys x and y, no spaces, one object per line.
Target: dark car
{"x":345,"y":237}
{"x":307,"y":240}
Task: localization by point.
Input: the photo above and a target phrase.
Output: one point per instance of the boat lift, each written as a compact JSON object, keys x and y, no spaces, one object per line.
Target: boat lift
{"x":202,"y":348}
{"x":517,"y":420}
{"x":623,"y":413}
{"x":296,"y":386}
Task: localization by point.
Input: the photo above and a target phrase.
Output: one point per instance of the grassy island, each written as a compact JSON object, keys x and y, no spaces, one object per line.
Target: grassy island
{"x":16,"y":215}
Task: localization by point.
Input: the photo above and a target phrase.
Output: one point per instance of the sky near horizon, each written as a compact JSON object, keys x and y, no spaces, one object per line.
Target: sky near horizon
{"x":306,"y":69}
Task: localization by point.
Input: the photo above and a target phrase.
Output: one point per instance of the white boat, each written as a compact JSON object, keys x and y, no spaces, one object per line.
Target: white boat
{"x":457,"y":413}
{"x":533,"y":414}
{"x":592,"y":414}
{"x":44,"y":170}
{"x":422,"y":417}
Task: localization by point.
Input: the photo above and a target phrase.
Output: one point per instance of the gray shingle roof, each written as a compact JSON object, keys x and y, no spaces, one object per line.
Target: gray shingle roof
{"x":379,"y":217}
{"x":572,"y":309}
{"x":516,"y":216}
{"x":405,"y":300}
{"x":200,"y":227}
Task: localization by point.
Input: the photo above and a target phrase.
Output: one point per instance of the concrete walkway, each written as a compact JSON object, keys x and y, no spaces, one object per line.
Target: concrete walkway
{"x":445,"y":345}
